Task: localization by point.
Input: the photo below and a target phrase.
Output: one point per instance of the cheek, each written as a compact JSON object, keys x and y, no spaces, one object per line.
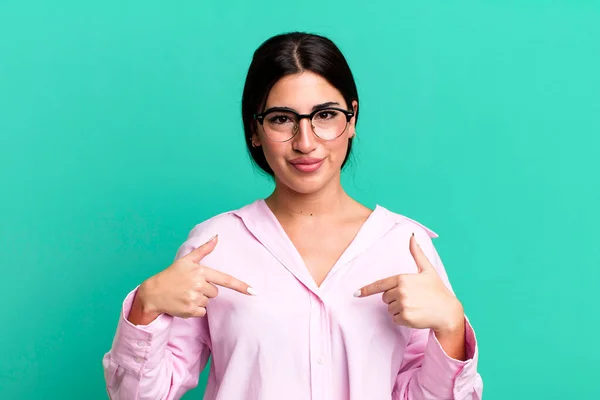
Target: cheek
{"x":274,"y":152}
{"x":338,"y":149}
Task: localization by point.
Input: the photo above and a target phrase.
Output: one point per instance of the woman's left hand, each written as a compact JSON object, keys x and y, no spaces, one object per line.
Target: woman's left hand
{"x":419,"y":300}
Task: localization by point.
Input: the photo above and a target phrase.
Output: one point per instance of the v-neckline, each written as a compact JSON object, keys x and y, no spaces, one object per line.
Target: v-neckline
{"x":272,"y":235}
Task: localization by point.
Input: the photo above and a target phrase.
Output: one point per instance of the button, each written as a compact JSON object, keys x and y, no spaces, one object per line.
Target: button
{"x":321,"y":360}
{"x":141,"y":343}
{"x":137,"y":359}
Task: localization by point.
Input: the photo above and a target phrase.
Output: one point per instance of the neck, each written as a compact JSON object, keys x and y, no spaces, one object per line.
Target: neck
{"x":329,"y":201}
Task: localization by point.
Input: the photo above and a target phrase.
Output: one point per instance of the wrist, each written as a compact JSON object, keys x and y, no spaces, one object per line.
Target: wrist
{"x":142,"y":312}
{"x":455,"y":321}
{"x":144,"y":297}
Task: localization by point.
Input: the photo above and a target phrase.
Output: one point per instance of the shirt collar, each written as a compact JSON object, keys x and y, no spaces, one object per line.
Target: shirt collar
{"x":264,"y":226}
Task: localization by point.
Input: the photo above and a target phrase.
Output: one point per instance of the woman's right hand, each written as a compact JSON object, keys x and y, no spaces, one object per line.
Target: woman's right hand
{"x":183,"y":289}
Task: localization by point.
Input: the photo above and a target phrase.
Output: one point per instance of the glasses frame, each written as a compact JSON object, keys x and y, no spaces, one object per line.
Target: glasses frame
{"x":261,"y":118}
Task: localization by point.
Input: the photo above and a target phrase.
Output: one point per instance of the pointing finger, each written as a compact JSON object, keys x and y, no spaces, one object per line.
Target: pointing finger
{"x":421,"y":259}
{"x":228,"y":281}
{"x":379,"y":286}
{"x":199,"y":253}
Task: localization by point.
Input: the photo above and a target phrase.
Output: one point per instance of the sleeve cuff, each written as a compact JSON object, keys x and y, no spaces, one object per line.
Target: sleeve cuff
{"x":136,"y":347}
{"x":446,"y":376}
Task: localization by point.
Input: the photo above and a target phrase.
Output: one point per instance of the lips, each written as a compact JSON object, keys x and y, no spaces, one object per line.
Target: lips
{"x":305,"y":160}
{"x":307,"y":164}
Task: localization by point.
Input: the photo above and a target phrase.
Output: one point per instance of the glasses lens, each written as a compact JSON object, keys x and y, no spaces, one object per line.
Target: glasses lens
{"x":329,"y":124}
{"x":280,"y":125}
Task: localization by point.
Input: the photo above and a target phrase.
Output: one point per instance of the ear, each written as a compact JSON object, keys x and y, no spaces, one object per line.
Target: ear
{"x":255,"y":139}
{"x":352,"y":130}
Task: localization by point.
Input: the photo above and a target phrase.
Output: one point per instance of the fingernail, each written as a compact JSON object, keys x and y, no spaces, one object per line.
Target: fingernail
{"x":252,"y":291}
{"x":212,"y":238}
{"x":413,"y":234}
{"x":357,"y":293}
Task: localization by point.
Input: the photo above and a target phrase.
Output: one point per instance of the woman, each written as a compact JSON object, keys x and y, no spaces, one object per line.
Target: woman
{"x":306,"y":294}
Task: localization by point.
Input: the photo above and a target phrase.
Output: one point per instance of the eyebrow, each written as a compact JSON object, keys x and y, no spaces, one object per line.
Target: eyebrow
{"x":324,"y":105}
{"x":314,"y":108}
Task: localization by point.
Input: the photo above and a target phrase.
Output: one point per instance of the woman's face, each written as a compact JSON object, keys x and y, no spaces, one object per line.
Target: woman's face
{"x":306,"y":163}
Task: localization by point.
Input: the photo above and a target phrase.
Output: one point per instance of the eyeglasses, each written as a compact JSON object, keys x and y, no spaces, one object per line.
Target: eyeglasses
{"x":282,"y":124}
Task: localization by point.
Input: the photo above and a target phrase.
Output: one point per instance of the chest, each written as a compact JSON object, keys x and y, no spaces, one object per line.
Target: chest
{"x":287,"y":315}
{"x":321,"y":246}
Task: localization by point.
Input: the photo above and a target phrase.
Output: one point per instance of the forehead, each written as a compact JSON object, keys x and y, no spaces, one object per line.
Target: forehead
{"x":302,"y":91}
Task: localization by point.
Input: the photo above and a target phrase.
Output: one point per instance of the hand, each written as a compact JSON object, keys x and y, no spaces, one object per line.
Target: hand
{"x":185,"y":287}
{"x":419,"y":300}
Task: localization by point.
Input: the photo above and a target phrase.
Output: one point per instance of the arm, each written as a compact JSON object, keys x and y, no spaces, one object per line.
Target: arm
{"x":156,"y":355}
{"x":160,"y":360}
{"x":439,"y":366}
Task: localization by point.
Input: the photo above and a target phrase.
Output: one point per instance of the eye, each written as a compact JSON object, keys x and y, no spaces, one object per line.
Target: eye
{"x":326,"y":114}
{"x":279,"y":119}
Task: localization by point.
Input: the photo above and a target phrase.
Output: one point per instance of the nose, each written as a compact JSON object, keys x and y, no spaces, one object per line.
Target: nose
{"x":305,"y":140}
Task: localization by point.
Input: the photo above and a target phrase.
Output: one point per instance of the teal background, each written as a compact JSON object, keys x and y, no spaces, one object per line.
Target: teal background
{"x":120,"y":130}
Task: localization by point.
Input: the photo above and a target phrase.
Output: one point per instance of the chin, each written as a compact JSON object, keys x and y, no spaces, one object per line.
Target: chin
{"x":306,"y":184}
{"x":306,"y":187}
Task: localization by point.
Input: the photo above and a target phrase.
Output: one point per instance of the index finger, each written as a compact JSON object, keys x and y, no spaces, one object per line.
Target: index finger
{"x":222,"y":279}
{"x":380,"y":286}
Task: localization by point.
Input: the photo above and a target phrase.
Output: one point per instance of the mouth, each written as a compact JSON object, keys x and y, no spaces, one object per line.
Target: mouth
{"x":307,"y":164}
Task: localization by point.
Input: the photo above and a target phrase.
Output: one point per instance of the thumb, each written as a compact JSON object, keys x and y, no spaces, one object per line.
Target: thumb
{"x":202,"y":251}
{"x":421,"y":259}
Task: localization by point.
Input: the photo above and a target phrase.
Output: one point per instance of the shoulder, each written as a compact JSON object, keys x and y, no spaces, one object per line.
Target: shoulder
{"x":227,"y":224}
{"x":404,"y":227}
{"x":219,"y":223}
{"x":404,"y":222}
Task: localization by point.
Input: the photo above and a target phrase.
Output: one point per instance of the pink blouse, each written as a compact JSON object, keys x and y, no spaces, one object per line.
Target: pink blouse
{"x":294,"y":340}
